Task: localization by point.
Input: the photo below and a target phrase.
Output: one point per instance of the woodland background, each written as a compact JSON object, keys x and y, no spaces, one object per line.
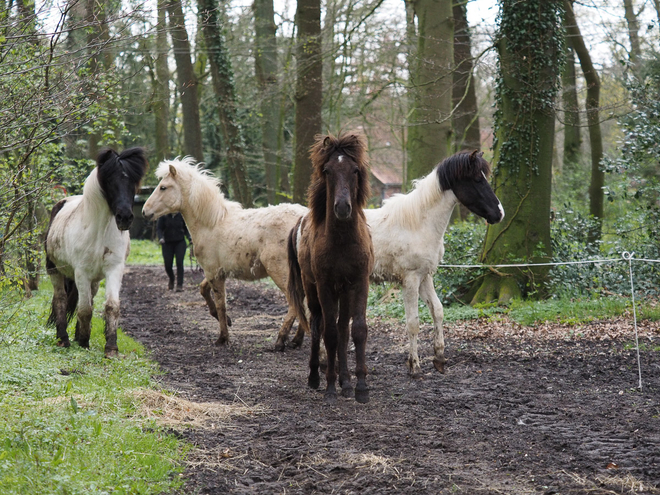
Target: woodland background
{"x":563,"y":97}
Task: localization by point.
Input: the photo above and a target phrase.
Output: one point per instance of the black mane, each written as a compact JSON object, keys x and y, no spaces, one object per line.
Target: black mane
{"x":461,"y":166}
{"x":132,"y":163}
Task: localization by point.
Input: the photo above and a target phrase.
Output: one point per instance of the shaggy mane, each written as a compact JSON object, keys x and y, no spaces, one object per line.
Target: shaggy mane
{"x":407,"y":209}
{"x":203,"y":189}
{"x":352,"y":145}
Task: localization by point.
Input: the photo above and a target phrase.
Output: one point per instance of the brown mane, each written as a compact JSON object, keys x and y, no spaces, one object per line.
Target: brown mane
{"x":352,"y":145}
{"x":466,"y":165}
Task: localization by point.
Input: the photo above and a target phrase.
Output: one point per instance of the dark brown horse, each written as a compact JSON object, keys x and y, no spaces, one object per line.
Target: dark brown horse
{"x":330,"y":259}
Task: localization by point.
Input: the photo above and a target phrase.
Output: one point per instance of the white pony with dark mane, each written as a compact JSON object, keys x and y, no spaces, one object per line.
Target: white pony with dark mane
{"x":408,"y":236}
{"x":230,"y":241}
{"x":88,"y":241}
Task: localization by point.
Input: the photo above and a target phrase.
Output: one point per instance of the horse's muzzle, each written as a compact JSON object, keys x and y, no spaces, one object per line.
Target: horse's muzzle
{"x":124,"y":221}
{"x":343,"y":210}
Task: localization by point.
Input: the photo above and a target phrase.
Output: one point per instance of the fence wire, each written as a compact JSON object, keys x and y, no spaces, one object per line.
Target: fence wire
{"x":625,"y":256}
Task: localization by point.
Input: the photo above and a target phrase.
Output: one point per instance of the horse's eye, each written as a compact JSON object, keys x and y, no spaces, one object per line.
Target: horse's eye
{"x":356,"y":170}
{"x":162,"y":188}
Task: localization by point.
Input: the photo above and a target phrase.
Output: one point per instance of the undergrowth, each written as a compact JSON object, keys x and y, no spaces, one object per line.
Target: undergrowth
{"x":68,"y":420}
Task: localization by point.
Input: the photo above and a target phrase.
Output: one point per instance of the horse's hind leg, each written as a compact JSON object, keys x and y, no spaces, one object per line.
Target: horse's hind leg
{"x":58,"y":309}
{"x":359,"y":332}
{"x":410,"y":298}
{"x":427,"y":291}
{"x":283,"y":334}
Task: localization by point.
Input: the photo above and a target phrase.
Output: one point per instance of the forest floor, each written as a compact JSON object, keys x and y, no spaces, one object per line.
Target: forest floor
{"x":546,"y":409}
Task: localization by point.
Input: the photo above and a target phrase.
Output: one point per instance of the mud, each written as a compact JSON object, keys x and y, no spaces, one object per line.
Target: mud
{"x":520,"y":413}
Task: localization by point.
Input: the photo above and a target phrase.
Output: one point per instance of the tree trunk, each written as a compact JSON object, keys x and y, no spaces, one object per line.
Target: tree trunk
{"x":429,"y":128}
{"x":265,"y":62}
{"x":222,"y":76}
{"x":309,"y":93}
{"x":98,"y":36}
{"x":633,"y":34}
{"x":656,"y":4}
{"x":572,"y":136}
{"x":192,"y":129}
{"x":528,"y":81}
{"x":161,"y":105}
{"x":596,"y":194}
{"x":464,"y":97}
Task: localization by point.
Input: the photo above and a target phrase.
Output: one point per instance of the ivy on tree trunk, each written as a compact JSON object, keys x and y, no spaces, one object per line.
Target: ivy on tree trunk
{"x":530,"y":46}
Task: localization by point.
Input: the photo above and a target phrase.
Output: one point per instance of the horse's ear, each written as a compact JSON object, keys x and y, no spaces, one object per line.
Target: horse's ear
{"x":476,"y":153}
{"x":326,"y":141}
{"x":172,"y":171}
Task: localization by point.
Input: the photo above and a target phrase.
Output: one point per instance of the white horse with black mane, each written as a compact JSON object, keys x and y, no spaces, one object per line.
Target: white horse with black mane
{"x":230,"y":241}
{"x":88,"y":241}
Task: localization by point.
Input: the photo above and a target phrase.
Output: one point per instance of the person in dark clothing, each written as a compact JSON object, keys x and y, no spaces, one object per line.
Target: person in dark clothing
{"x":172,"y":234}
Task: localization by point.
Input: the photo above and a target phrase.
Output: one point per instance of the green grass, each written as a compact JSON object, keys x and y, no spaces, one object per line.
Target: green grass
{"x":144,"y":252}
{"x":68,"y":421}
{"x":384,"y":301}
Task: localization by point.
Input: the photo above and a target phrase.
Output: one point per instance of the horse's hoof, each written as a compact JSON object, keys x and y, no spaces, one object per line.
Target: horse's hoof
{"x":280,"y":345}
{"x":228,"y":320}
{"x":222,"y":340}
{"x":295,"y":343}
{"x":362,"y":395}
{"x":439,"y":364}
{"x":111,"y":353}
{"x":314,"y":381}
{"x":416,"y":375}
{"x":63,"y":343}
{"x":330,"y":398}
{"x":347,"y":390}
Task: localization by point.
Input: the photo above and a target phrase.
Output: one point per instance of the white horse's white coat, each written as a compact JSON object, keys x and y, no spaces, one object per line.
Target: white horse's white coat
{"x":407,"y":233}
{"x":230,"y":241}
{"x":86,"y":246}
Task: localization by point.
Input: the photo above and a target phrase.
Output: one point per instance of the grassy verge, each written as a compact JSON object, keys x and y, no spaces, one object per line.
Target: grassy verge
{"x":386,"y":300}
{"x":69,"y":420}
{"x":144,"y":252}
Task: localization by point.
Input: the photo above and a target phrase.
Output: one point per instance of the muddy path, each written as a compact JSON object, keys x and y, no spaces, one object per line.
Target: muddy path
{"x":524,"y":411}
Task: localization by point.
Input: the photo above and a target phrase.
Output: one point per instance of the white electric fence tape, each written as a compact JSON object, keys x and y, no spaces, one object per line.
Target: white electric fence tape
{"x":625,"y":256}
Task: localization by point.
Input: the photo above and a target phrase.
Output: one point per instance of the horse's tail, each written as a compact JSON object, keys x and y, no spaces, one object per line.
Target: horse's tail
{"x":71,"y":302}
{"x":295,"y":289}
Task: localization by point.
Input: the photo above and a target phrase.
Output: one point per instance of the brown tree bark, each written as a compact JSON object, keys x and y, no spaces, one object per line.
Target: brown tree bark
{"x":187,"y":81}
{"x":465,"y":119}
{"x":223,"y":86}
{"x":596,"y":193}
{"x":633,"y":33}
{"x":265,"y":62}
{"x":429,"y":128}
{"x":572,"y":135}
{"x":161,"y":104}
{"x":309,"y":93}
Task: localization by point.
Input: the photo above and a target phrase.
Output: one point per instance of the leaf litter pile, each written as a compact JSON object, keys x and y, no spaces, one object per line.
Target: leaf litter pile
{"x":545,"y":409}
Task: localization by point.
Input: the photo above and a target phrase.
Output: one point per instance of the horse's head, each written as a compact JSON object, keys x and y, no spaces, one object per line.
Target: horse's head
{"x":167,"y":196}
{"x":340,"y":178}
{"x":119,"y":177}
{"x":466,"y":175}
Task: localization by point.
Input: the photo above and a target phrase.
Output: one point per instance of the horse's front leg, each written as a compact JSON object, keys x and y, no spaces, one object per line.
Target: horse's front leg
{"x":220,"y":296}
{"x":85,"y":311}
{"x":58,"y":309}
{"x":359,"y":332}
{"x":329,"y":307}
{"x":316,"y":322}
{"x":342,"y":347}
{"x":410,"y":298}
{"x":427,"y":291}
{"x":95,"y":289}
{"x":283,"y":334}
{"x":206,"y":291}
{"x":112,"y":288}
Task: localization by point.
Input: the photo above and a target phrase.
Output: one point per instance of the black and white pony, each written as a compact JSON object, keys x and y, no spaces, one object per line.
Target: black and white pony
{"x":88,"y":241}
{"x":408,"y":236}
